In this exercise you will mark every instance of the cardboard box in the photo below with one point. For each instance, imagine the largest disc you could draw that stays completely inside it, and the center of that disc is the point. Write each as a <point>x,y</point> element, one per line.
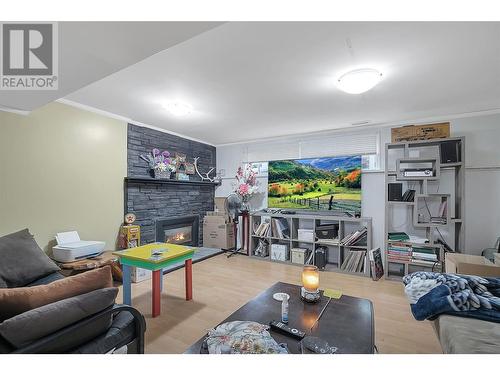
<point>298,255</point>
<point>279,252</point>
<point>420,132</point>
<point>218,232</point>
<point>471,265</point>
<point>139,274</point>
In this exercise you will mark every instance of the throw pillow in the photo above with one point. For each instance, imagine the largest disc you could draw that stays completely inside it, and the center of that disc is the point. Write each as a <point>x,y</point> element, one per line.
<point>15,301</point>
<point>22,260</point>
<point>42,321</point>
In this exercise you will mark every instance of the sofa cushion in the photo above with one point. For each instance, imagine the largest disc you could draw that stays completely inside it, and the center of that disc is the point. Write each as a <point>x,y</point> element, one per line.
<point>32,325</point>
<point>15,301</point>
<point>22,260</point>
<point>121,332</point>
<point>459,335</point>
<point>47,279</point>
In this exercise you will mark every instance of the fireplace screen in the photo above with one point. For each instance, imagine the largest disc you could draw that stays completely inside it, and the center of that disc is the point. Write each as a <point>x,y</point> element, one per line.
<point>180,235</point>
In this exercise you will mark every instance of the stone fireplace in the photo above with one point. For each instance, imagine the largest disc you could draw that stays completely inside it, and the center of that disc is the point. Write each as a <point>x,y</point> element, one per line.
<point>166,206</point>
<point>182,230</point>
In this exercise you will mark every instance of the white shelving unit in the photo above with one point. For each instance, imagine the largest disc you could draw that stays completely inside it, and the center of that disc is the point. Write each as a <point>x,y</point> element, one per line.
<point>336,252</point>
<point>418,153</point>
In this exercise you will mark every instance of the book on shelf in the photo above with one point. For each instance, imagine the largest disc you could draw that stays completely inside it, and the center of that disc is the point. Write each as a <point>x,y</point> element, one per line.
<point>425,256</point>
<point>376,263</point>
<point>433,259</point>
<point>422,249</point>
<point>354,261</point>
<point>424,262</point>
<point>398,236</point>
<point>356,238</point>
<point>325,241</point>
<point>262,229</point>
<point>408,196</point>
<point>280,228</point>
<point>399,251</point>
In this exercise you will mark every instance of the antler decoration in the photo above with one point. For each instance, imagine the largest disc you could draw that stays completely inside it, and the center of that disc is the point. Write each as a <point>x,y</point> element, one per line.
<point>205,176</point>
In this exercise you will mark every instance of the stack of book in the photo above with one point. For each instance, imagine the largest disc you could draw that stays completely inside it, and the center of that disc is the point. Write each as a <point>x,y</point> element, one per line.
<point>398,236</point>
<point>424,255</point>
<point>354,261</point>
<point>357,238</point>
<point>280,228</point>
<point>263,229</point>
<point>399,251</point>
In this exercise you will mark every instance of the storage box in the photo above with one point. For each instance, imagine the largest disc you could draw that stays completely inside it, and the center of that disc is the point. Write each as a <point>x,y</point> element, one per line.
<point>420,132</point>
<point>279,252</point>
<point>327,231</point>
<point>139,274</point>
<point>470,265</point>
<point>298,255</point>
<point>218,232</point>
<point>306,235</point>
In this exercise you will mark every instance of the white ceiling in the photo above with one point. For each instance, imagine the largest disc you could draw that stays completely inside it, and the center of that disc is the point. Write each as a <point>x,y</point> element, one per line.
<point>89,51</point>
<point>255,80</point>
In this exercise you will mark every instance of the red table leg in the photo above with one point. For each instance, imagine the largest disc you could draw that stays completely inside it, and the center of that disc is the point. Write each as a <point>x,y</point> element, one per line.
<point>189,279</point>
<point>156,293</point>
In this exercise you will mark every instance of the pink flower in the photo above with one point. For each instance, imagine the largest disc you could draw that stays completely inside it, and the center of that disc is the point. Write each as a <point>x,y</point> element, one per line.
<point>243,189</point>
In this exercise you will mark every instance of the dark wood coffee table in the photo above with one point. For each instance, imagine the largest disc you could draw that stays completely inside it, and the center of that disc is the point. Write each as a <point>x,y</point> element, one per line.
<point>347,323</point>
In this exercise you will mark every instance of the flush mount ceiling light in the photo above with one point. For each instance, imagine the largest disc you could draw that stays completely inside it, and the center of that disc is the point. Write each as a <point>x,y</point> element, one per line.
<point>359,81</point>
<point>178,109</point>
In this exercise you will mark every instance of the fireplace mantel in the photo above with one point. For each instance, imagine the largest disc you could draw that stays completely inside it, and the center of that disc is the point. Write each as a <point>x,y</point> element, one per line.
<point>149,180</point>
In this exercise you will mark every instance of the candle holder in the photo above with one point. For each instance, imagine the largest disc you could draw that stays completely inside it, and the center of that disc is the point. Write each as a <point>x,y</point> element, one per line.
<point>310,280</point>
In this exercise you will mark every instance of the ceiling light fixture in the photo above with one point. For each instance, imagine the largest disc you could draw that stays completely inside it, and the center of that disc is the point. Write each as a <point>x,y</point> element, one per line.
<point>178,109</point>
<point>359,81</point>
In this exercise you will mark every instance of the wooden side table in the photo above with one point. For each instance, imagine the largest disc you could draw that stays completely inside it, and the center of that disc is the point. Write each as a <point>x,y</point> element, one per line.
<point>105,259</point>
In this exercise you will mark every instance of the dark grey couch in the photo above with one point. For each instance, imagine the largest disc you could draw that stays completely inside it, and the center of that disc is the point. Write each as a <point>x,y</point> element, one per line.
<point>115,327</point>
<point>87,323</point>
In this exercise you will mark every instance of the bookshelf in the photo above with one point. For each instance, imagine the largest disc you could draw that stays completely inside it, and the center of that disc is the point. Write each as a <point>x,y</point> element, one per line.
<point>337,252</point>
<point>436,211</point>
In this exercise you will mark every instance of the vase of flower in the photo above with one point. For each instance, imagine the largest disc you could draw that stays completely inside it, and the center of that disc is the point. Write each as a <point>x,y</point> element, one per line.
<point>246,186</point>
<point>245,203</point>
<point>160,163</point>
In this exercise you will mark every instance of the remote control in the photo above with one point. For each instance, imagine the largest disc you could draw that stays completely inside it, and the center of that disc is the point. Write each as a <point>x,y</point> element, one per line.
<point>286,330</point>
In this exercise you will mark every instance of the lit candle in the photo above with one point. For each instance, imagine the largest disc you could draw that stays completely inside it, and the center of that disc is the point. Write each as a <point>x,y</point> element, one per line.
<point>310,278</point>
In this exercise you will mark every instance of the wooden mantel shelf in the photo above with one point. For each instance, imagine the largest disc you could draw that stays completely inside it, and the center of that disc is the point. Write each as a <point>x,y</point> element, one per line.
<point>149,180</point>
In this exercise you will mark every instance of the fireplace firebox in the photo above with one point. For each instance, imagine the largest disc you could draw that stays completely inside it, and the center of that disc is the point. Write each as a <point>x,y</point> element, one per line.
<point>182,230</point>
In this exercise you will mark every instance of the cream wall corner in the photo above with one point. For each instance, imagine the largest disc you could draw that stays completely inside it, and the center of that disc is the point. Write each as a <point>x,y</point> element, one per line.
<point>61,169</point>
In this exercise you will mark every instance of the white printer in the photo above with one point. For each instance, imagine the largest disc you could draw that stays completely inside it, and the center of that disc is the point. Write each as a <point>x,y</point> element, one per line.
<point>70,248</point>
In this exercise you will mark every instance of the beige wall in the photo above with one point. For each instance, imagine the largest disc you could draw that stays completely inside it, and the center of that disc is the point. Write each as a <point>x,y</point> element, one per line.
<point>61,169</point>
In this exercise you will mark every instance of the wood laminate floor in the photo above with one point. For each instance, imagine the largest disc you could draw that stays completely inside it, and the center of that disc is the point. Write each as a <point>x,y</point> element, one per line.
<point>222,285</point>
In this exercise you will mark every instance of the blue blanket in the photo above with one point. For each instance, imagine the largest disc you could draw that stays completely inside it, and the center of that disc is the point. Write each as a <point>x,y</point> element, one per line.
<point>431,294</point>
